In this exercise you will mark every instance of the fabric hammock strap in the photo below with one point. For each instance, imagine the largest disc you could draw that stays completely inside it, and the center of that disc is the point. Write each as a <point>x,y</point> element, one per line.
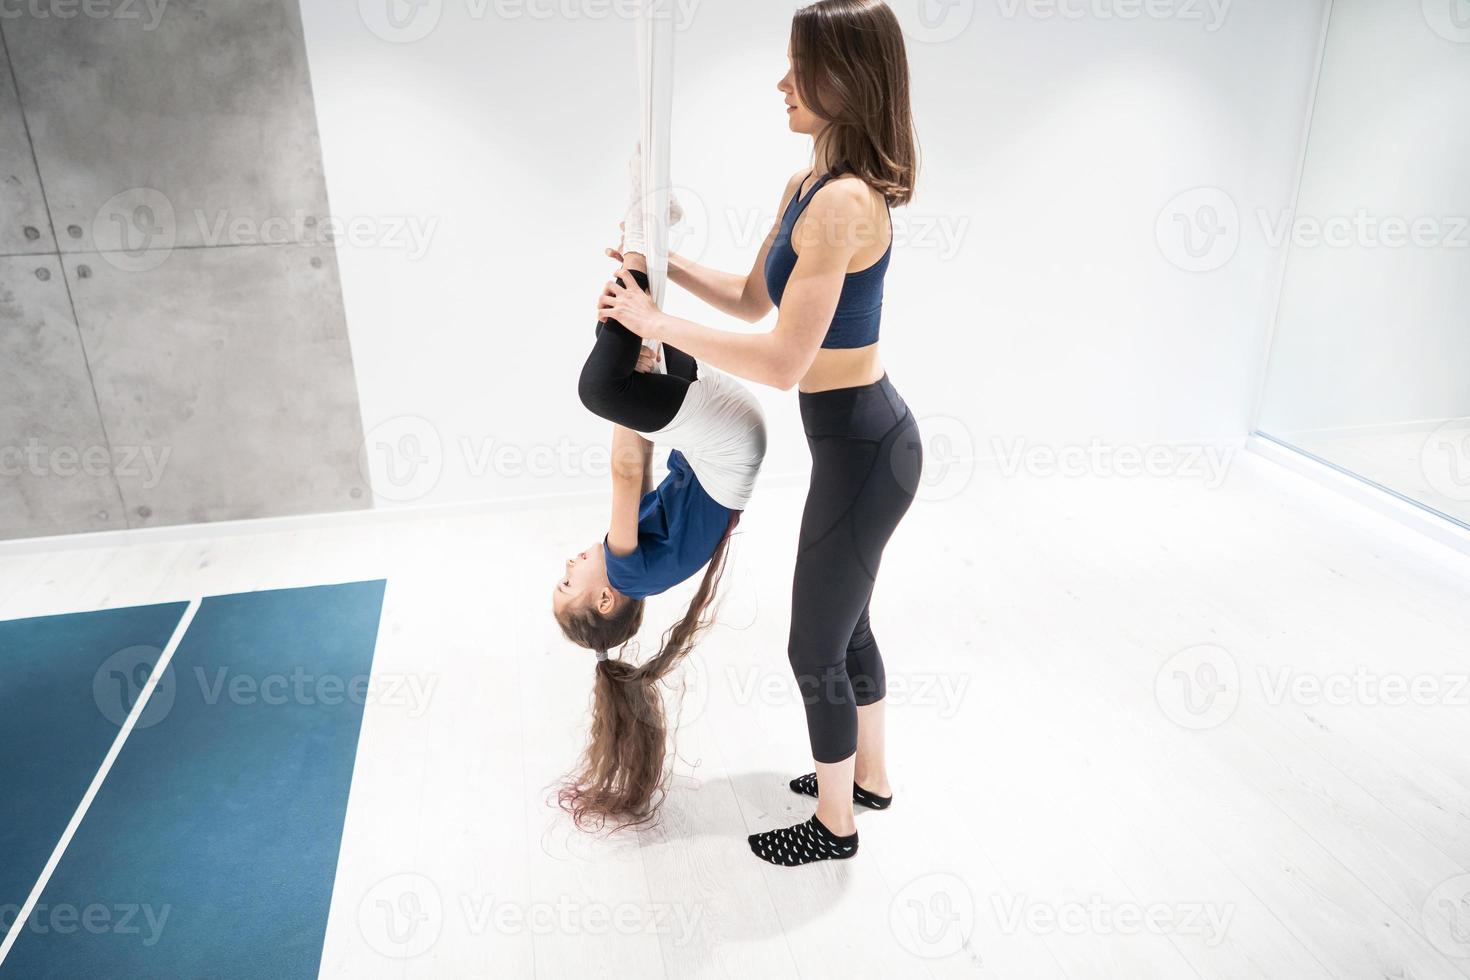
<point>656,99</point>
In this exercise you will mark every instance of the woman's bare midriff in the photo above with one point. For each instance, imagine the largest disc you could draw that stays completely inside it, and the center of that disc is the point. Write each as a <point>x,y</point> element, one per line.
<point>854,367</point>
<point>843,369</point>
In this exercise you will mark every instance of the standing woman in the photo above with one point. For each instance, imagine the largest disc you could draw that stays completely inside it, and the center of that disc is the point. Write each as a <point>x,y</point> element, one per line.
<point>823,265</point>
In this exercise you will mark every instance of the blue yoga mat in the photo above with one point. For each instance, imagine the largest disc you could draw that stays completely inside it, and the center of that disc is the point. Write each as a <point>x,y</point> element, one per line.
<point>212,846</point>
<point>66,685</point>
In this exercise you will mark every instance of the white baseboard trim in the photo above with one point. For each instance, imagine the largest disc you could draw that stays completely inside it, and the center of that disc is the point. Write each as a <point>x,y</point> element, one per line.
<point>1390,503</point>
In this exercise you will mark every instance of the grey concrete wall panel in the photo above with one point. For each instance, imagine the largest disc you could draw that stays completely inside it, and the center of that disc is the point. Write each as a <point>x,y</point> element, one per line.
<point>25,228</point>
<point>235,361</point>
<point>186,124</point>
<point>55,468</point>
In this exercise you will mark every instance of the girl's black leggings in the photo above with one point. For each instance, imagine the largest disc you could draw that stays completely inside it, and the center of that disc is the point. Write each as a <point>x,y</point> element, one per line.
<point>612,389</point>
<point>866,461</point>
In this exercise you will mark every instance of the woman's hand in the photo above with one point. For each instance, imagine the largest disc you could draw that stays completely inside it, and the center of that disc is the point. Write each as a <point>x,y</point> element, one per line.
<point>631,307</point>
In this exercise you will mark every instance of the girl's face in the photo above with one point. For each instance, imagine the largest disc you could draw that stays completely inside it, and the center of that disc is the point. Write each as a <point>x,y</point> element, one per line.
<point>799,118</point>
<point>584,579</point>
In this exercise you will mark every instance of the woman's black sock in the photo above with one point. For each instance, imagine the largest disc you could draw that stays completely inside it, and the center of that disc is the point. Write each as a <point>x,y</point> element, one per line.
<point>802,843</point>
<point>807,786</point>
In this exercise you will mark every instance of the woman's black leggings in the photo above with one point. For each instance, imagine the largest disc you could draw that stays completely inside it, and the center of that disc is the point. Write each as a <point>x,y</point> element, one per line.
<point>866,461</point>
<point>611,387</point>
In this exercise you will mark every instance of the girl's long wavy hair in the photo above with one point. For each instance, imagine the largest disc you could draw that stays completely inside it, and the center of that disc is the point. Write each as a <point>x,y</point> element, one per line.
<point>621,775</point>
<point>852,70</point>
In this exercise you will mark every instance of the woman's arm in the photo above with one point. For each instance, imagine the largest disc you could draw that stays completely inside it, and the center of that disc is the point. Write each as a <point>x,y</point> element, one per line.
<point>826,244</point>
<point>632,477</point>
<point>741,295</point>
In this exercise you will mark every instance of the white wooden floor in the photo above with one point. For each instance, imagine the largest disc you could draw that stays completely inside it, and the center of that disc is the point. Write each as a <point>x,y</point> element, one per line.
<point>1107,754</point>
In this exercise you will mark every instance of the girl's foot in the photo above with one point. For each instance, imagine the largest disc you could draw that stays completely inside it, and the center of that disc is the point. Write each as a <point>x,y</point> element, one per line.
<point>802,843</point>
<point>635,238</point>
<point>807,786</point>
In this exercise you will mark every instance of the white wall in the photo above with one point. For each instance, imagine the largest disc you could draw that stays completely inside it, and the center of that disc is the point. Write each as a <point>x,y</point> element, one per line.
<point>1374,328</point>
<point>1031,294</point>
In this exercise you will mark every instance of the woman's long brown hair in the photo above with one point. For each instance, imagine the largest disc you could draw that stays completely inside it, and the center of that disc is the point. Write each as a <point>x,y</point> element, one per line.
<point>852,70</point>
<point>621,774</point>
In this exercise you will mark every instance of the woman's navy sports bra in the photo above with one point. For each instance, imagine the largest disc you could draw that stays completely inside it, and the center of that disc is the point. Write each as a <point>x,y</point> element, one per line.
<point>859,308</point>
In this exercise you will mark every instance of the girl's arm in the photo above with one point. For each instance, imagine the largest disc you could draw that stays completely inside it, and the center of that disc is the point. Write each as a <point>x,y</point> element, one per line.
<point>780,358</point>
<point>632,477</point>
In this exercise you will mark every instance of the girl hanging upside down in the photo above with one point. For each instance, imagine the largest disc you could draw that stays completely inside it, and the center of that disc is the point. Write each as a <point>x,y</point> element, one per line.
<point>823,265</point>
<point>656,539</point>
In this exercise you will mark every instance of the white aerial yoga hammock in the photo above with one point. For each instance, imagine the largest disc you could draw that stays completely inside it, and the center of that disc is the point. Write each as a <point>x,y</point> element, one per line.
<point>655,28</point>
<point>719,427</point>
